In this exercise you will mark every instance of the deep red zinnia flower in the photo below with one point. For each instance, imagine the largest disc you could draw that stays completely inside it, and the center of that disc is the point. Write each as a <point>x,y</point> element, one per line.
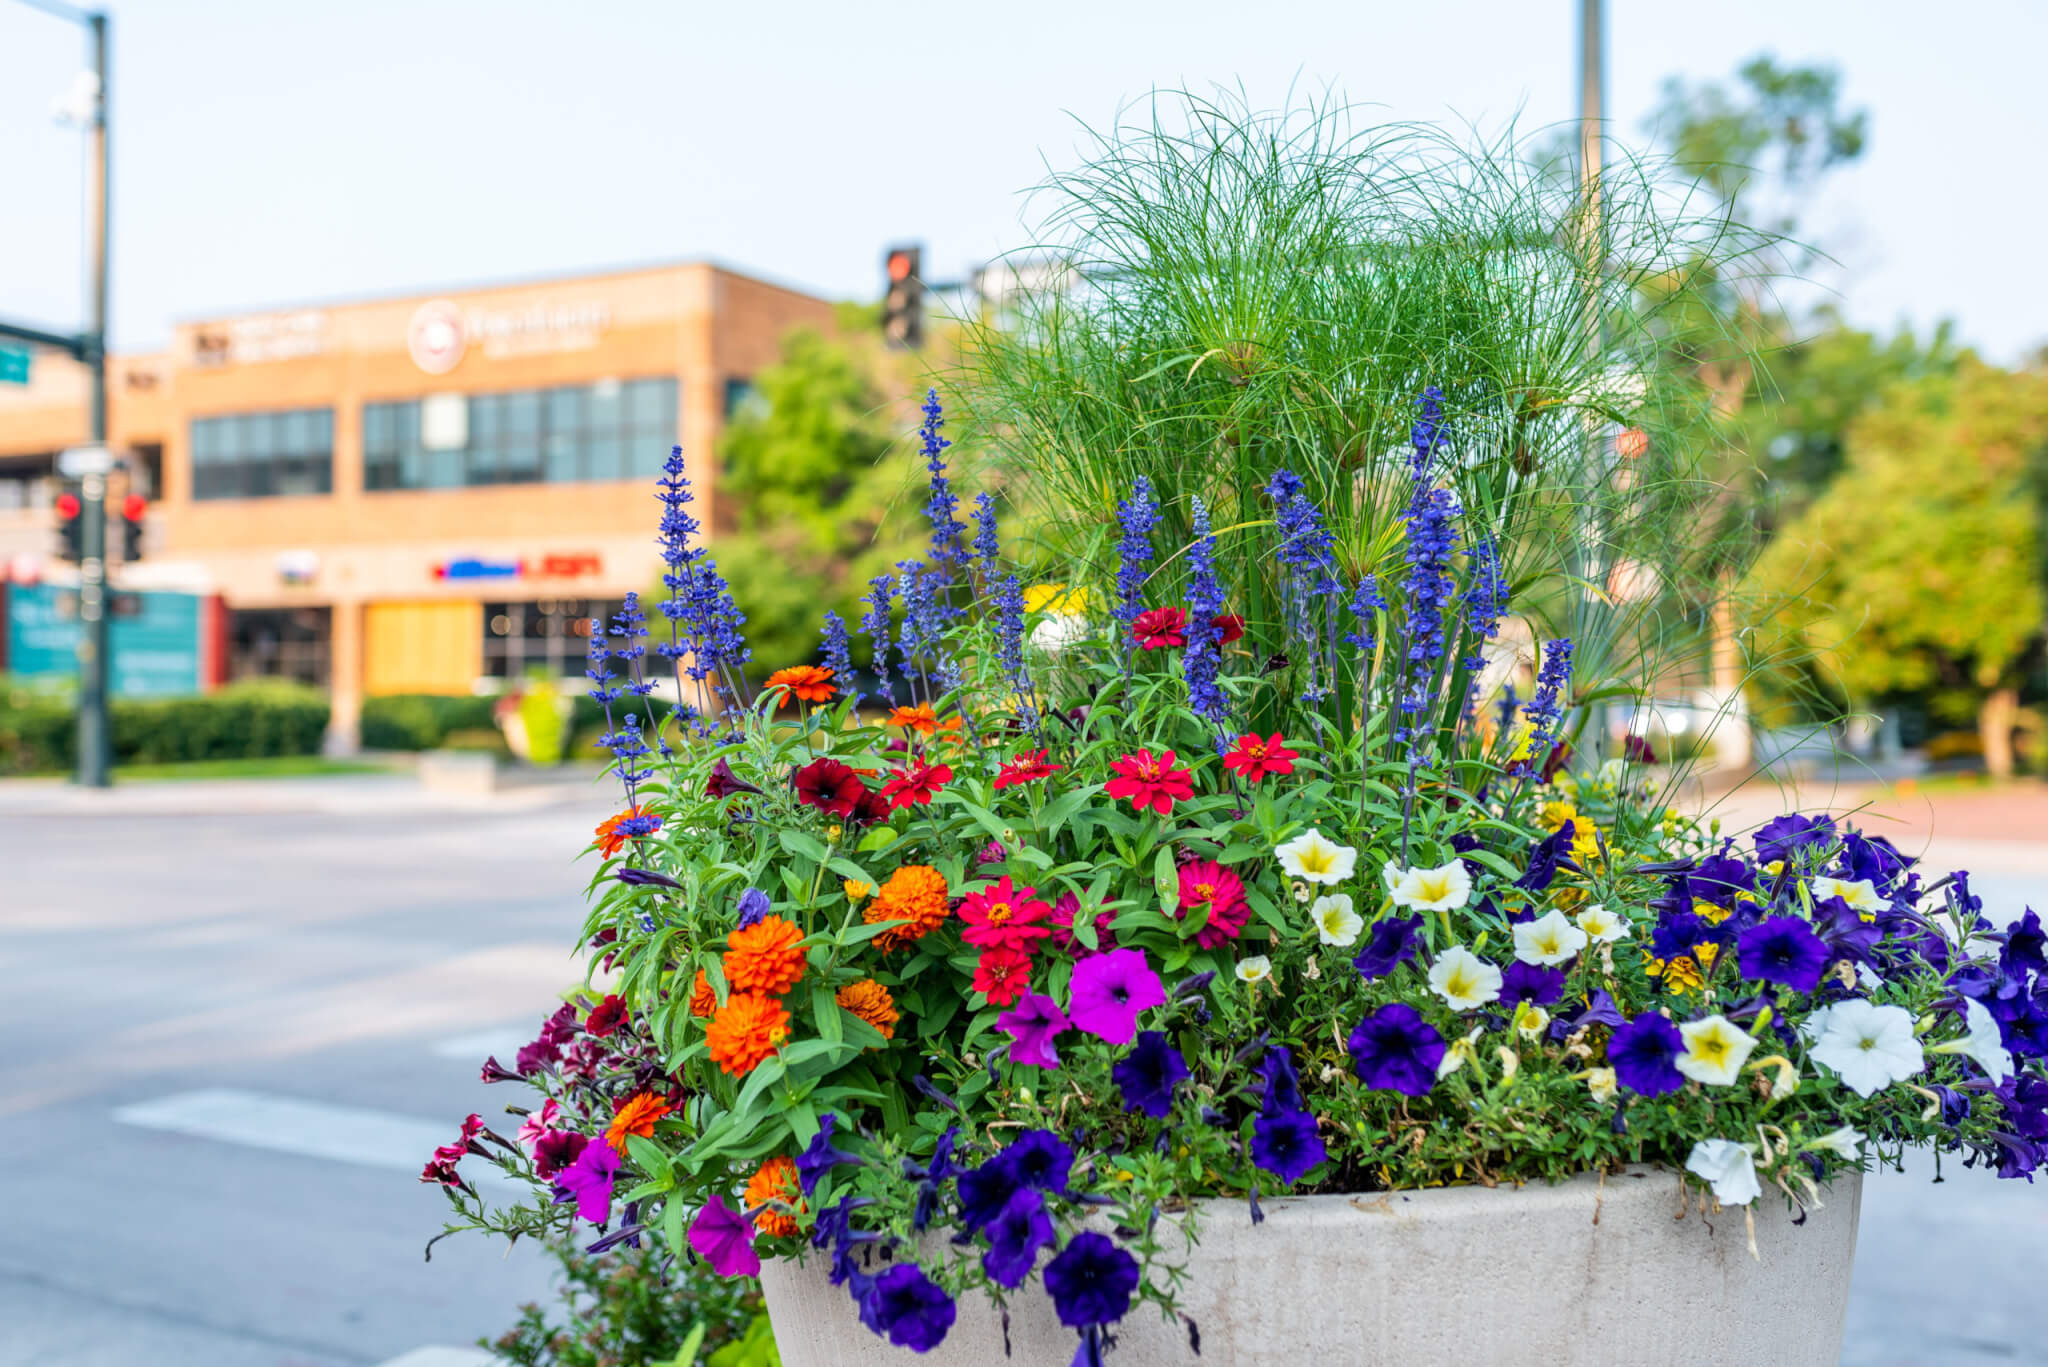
<point>1160,628</point>
<point>916,785</point>
<point>1003,917</point>
<point>1253,758</point>
<point>1002,975</point>
<point>1207,883</point>
<point>829,786</point>
<point>1028,767</point>
<point>1149,781</point>
<point>1229,627</point>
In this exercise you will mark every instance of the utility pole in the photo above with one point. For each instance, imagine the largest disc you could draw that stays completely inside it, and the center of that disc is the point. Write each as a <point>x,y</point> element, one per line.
<point>95,750</point>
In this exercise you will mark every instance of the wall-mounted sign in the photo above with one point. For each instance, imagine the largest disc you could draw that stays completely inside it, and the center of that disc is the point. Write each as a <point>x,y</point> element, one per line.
<point>154,651</point>
<point>576,565</point>
<point>298,568</point>
<point>441,331</point>
<point>263,337</point>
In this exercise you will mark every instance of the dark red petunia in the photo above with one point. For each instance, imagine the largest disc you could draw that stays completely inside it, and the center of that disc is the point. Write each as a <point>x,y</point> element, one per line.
<point>606,1017</point>
<point>1253,757</point>
<point>1160,628</point>
<point>872,807</point>
<point>1636,750</point>
<point>1149,781</point>
<point>1028,767</point>
<point>916,785</point>
<point>829,786</point>
<point>1229,627</point>
<point>724,782</point>
<point>555,1150</point>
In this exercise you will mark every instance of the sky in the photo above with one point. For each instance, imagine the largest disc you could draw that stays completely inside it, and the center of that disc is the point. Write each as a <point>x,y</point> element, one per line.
<point>276,154</point>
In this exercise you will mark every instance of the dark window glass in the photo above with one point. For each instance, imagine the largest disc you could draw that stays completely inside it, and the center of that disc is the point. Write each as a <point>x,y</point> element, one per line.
<point>261,455</point>
<point>609,430</point>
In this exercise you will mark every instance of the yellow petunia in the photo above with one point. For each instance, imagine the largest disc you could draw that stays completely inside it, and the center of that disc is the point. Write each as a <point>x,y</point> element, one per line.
<point>1055,598</point>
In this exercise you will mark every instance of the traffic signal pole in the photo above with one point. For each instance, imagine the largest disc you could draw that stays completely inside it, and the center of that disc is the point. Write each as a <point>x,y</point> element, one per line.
<point>95,747</point>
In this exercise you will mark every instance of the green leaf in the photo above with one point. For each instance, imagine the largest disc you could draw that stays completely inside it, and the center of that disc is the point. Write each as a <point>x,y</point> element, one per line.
<point>648,1156</point>
<point>983,817</point>
<point>1166,880</point>
<point>825,1011</point>
<point>803,846</point>
<point>881,837</point>
<point>846,868</point>
<point>764,1076</point>
<point>1061,808</point>
<point>673,1214</point>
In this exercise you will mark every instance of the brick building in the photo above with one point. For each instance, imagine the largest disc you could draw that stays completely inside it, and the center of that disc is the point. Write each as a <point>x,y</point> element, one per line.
<point>410,494</point>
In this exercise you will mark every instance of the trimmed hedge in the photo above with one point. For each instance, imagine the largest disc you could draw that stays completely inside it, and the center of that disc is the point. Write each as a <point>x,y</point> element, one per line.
<point>424,721</point>
<point>254,720</point>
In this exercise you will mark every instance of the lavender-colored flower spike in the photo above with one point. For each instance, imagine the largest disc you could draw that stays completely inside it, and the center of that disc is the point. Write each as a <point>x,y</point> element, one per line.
<point>986,547</point>
<point>837,657</point>
<point>1203,659</point>
<point>1137,515</point>
<point>1311,576</point>
<point>1547,707</point>
<point>874,623</point>
<point>1485,601</point>
<point>1427,434</point>
<point>1010,646</point>
<point>948,551</point>
<point>1365,603</point>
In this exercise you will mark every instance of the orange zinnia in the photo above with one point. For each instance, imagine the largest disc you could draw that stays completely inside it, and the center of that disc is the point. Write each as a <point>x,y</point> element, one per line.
<point>747,1029</point>
<point>637,1116</point>
<point>807,682</point>
<point>703,1000</point>
<point>871,1001</point>
<point>915,895</point>
<point>763,957</point>
<point>775,1180</point>
<point>922,719</point>
<point>609,839</point>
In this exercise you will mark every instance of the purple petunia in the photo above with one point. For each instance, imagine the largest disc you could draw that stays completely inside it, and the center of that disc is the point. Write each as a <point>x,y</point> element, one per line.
<point>1526,982</point>
<point>1110,990</point>
<point>1645,1053</point>
<point>1782,949</point>
<point>1394,1049</point>
<point>1091,1281</point>
<point>1015,1236</point>
<point>1033,1023</point>
<point>1148,1074</point>
<point>1391,941</point>
<point>1041,1159</point>
<point>1783,837</point>
<point>985,1190</point>
<point>909,1308</point>
<point>588,1181</point>
<point>821,1156</point>
<point>724,1238</point>
<point>1286,1145</point>
<point>1283,1083</point>
<point>754,905</point>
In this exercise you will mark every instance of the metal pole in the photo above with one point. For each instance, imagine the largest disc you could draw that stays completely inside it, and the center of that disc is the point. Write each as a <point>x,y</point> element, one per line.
<point>1592,83</point>
<point>95,749</point>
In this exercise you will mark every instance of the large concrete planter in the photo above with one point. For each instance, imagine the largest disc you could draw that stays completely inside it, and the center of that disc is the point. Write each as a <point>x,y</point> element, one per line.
<point>1585,1273</point>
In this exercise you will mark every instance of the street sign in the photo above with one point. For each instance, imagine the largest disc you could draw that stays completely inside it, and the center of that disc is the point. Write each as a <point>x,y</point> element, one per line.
<point>81,461</point>
<point>13,365</point>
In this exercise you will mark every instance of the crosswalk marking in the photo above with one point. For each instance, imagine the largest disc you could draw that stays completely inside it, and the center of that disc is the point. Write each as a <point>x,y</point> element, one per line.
<point>344,1134</point>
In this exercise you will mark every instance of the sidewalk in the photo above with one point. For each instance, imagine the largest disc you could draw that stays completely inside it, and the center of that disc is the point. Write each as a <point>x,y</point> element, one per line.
<point>2002,829</point>
<point>335,795</point>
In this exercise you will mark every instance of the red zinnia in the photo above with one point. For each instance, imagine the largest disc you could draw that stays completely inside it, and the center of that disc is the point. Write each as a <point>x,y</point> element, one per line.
<point>1229,627</point>
<point>1002,975</point>
<point>916,785</point>
<point>1028,767</point>
<point>1160,628</point>
<point>1152,782</point>
<point>829,786</point>
<point>1003,917</point>
<point>1254,758</point>
<point>1207,883</point>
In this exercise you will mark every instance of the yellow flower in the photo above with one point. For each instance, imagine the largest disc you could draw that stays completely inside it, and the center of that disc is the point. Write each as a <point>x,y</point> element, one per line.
<point>1554,814</point>
<point>1530,1020</point>
<point>1055,598</point>
<point>1587,844</point>
<point>856,891</point>
<point>1708,912</point>
<point>1687,973</point>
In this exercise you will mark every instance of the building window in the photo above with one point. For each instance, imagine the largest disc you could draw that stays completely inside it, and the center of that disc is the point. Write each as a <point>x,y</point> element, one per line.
<point>610,430</point>
<point>280,643</point>
<point>263,455</point>
<point>549,636</point>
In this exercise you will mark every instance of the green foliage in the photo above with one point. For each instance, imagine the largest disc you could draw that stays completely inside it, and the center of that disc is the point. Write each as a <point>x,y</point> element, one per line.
<point>253,720</point>
<point>813,469</point>
<point>547,728</point>
<point>420,721</point>
<point>1921,565</point>
<point>619,1311</point>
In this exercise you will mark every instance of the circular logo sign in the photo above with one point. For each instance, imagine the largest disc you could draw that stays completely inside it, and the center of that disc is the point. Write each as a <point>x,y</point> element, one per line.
<point>435,337</point>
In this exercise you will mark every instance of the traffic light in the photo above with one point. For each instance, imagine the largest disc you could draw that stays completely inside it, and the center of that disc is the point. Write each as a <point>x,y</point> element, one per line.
<point>903,297</point>
<point>133,509</point>
<point>70,528</point>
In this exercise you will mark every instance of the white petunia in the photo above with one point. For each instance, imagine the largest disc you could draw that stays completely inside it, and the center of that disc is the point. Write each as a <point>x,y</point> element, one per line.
<point>1461,1052</point>
<point>1336,923</point>
<point>1530,1020</point>
<point>1602,925</point>
<point>1464,979</point>
<point>1860,894</point>
<point>1548,940</point>
<point>1444,888</point>
<point>1600,1084</point>
<point>1984,1044</point>
<point>1058,631</point>
<point>1846,1142</point>
<point>1869,1047</point>
<point>1715,1050</point>
<point>1257,969</point>
<point>1312,857</point>
<point>1726,1167</point>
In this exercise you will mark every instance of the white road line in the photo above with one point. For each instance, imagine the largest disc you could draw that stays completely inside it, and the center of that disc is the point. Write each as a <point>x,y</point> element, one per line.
<point>442,1357</point>
<point>345,1134</point>
<point>503,1043</point>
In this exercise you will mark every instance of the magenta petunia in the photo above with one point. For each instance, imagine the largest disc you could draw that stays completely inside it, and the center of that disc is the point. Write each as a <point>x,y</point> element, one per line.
<point>1034,1022</point>
<point>588,1181</point>
<point>1109,992</point>
<point>724,1237</point>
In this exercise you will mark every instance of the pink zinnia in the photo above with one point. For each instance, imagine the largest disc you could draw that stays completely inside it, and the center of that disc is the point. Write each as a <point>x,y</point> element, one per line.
<point>1207,883</point>
<point>1152,782</point>
<point>1109,990</point>
<point>1063,913</point>
<point>1003,917</point>
<point>1160,628</point>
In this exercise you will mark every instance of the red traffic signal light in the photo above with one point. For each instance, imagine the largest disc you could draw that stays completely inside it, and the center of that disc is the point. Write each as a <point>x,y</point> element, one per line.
<point>134,507</point>
<point>70,528</point>
<point>901,262</point>
<point>903,299</point>
<point>68,506</point>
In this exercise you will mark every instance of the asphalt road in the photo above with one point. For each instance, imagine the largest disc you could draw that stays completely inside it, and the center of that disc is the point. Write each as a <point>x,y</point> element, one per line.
<point>236,1015</point>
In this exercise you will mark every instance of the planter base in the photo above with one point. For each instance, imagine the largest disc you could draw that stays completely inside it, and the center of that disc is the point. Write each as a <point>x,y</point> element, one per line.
<point>1460,1275</point>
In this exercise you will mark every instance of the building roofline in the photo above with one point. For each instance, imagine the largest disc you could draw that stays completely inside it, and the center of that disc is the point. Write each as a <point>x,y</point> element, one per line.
<point>519,282</point>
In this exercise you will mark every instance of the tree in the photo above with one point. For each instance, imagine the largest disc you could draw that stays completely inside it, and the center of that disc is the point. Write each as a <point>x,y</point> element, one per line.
<point>1922,561</point>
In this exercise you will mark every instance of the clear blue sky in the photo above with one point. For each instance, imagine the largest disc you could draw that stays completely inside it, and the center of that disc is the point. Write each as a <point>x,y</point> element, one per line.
<point>276,153</point>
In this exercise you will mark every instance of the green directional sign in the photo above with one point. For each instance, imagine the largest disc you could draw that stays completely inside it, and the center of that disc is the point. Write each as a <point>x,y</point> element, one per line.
<point>13,365</point>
